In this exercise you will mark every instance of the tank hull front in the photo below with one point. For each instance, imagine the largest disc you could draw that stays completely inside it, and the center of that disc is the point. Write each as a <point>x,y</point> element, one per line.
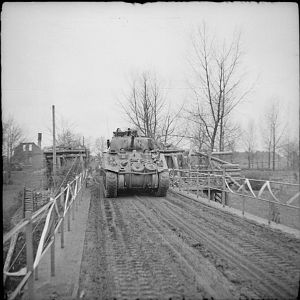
<point>153,182</point>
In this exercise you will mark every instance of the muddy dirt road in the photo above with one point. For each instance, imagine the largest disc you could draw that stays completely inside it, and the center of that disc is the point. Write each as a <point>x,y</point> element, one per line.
<point>139,246</point>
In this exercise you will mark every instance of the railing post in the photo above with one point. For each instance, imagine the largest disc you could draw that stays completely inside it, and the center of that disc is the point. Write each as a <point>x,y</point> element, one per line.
<point>197,183</point>
<point>29,255</point>
<point>82,185</point>
<point>36,273</point>
<point>269,214</point>
<point>76,190</point>
<point>179,183</point>
<point>208,183</point>
<point>73,209</point>
<point>188,182</point>
<point>52,257</point>
<point>173,178</point>
<point>223,188</point>
<point>80,188</point>
<point>243,192</point>
<point>62,227</point>
<point>69,219</point>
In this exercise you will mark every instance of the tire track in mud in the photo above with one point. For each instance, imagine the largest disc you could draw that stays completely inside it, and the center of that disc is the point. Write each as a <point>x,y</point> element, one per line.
<point>151,280</point>
<point>256,241</point>
<point>207,280</point>
<point>125,257</point>
<point>174,216</point>
<point>266,236</point>
<point>155,256</point>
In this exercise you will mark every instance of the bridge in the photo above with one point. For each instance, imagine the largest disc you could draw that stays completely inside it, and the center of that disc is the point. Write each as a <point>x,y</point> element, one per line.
<point>187,244</point>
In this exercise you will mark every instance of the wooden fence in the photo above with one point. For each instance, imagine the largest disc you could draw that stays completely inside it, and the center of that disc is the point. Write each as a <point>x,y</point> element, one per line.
<point>54,213</point>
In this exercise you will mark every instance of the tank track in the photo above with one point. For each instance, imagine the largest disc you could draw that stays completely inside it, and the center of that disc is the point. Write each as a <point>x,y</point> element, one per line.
<point>163,184</point>
<point>111,185</point>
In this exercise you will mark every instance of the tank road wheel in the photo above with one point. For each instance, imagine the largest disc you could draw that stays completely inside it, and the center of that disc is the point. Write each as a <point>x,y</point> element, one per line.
<point>111,185</point>
<point>163,184</point>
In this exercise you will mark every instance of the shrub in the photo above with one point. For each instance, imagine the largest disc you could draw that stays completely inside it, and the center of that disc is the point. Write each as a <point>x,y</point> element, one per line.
<point>11,211</point>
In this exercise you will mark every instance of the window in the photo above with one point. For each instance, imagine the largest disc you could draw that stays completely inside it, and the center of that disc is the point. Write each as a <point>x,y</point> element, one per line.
<point>24,147</point>
<point>30,147</point>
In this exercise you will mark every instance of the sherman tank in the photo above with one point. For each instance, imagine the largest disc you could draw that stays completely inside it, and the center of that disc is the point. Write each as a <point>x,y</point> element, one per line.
<point>134,162</point>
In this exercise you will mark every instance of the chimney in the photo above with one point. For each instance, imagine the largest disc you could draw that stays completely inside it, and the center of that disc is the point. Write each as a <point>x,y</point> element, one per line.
<point>40,140</point>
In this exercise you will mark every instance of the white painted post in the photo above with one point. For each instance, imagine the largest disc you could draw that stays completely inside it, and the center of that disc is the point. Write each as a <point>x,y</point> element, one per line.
<point>29,255</point>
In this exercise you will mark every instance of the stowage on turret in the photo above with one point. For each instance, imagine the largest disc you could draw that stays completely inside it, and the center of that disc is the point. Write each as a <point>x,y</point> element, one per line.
<point>134,162</point>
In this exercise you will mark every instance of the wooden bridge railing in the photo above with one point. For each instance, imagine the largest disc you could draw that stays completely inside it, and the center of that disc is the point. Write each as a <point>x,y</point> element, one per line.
<point>211,181</point>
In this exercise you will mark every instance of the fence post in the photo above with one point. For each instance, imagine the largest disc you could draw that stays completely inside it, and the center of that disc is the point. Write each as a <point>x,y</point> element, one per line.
<point>36,273</point>
<point>173,178</point>
<point>188,182</point>
<point>208,183</point>
<point>52,257</point>
<point>69,219</point>
<point>269,214</point>
<point>243,192</point>
<point>197,182</point>
<point>73,209</point>
<point>82,187</point>
<point>29,255</point>
<point>179,185</point>
<point>223,188</point>
<point>62,227</point>
<point>76,190</point>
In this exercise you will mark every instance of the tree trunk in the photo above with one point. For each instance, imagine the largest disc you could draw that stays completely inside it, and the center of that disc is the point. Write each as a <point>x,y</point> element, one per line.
<point>249,160</point>
<point>269,155</point>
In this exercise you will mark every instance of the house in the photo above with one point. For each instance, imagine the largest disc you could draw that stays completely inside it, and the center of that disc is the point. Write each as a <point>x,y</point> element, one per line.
<point>29,154</point>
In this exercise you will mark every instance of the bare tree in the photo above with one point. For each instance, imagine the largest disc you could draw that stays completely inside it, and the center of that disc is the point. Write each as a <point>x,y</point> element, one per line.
<point>12,136</point>
<point>217,86</point>
<point>145,104</point>
<point>275,130</point>
<point>99,147</point>
<point>290,150</point>
<point>171,129</point>
<point>199,138</point>
<point>66,135</point>
<point>249,138</point>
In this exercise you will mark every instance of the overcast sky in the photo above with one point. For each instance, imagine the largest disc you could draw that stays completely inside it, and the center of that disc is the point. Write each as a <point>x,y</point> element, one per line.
<point>80,56</point>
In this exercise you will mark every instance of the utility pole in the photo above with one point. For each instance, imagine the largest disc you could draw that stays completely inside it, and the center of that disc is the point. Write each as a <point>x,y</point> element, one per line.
<point>54,147</point>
